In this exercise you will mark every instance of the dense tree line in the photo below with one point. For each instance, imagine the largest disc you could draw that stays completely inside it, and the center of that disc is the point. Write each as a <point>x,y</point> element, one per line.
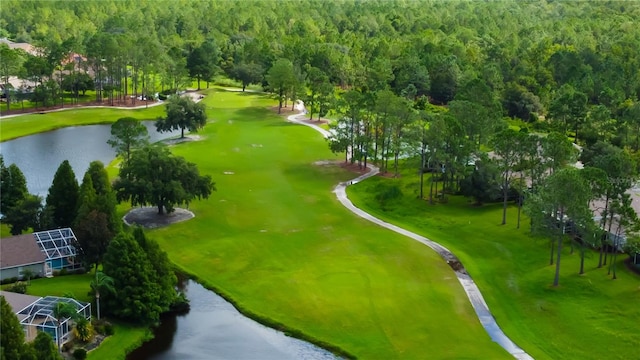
<point>558,59</point>
<point>436,81</point>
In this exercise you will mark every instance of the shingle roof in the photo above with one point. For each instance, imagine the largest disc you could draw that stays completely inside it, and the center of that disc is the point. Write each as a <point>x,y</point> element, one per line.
<point>18,301</point>
<point>19,250</point>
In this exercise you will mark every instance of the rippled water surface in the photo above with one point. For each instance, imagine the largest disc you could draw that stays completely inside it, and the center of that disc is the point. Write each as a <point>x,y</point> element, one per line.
<point>214,329</point>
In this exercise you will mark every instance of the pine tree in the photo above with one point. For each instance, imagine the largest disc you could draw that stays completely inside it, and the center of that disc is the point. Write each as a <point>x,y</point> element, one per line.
<point>13,186</point>
<point>12,346</point>
<point>164,275</point>
<point>138,296</point>
<point>62,199</point>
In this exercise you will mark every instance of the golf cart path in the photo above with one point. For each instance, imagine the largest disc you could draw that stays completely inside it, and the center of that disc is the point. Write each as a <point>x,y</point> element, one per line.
<point>473,292</point>
<point>193,94</point>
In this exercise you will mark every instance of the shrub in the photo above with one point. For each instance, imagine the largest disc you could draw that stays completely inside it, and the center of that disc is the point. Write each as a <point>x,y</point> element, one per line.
<point>83,330</point>
<point>108,329</point>
<point>80,354</point>
<point>10,280</point>
<point>18,287</point>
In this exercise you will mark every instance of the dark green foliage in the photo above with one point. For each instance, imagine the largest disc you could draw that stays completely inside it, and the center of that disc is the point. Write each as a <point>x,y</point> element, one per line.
<point>127,134</point>
<point>140,296</point>
<point>97,221</point>
<point>44,347</point>
<point>165,277</point>
<point>13,186</point>
<point>24,214</point>
<point>80,354</point>
<point>155,177</point>
<point>12,344</point>
<point>247,74</point>
<point>280,78</point>
<point>62,200</point>
<point>77,82</point>
<point>483,184</point>
<point>182,113</point>
<point>445,75</point>
<point>521,103</point>
<point>202,62</point>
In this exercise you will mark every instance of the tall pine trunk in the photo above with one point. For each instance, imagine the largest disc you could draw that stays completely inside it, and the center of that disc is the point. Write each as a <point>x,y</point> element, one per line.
<point>556,279</point>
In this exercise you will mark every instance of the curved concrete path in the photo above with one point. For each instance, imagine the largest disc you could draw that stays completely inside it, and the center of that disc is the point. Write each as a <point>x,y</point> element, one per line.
<point>473,293</point>
<point>195,96</point>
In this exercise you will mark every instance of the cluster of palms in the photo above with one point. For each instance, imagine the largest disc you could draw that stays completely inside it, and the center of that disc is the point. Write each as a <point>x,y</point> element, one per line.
<point>64,311</point>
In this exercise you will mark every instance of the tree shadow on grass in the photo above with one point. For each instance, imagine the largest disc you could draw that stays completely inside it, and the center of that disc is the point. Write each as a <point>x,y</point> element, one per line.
<point>252,114</point>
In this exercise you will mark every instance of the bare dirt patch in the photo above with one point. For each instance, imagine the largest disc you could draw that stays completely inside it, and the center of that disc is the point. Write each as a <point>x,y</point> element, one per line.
<point>148,217</point>
<point>286,111</point>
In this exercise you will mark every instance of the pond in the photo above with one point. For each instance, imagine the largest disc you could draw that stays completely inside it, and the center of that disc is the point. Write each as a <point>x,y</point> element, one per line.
<point>214,330</point>
<point>39,155</point>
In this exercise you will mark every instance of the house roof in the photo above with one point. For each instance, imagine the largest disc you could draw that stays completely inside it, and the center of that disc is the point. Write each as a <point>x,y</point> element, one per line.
<point>19,250</point>
<point>18,302</point>
<point>24,46</point>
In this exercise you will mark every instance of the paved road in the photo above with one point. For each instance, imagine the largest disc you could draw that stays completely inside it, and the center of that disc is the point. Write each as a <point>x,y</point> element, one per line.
<point>473,292</point>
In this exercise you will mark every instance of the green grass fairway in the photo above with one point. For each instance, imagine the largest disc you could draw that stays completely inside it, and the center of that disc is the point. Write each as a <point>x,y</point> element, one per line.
<point>586,317</point>
<point>24,125</point>
<point>275,240</point>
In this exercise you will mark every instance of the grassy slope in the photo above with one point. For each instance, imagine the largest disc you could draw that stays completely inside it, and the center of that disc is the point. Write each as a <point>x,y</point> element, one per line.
<point>274,239</point>
<point>587,317</point>
<point>24,125</point>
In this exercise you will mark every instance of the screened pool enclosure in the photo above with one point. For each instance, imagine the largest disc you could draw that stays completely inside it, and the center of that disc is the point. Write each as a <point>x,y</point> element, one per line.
<point>58,247</point>
<point>41,316</point>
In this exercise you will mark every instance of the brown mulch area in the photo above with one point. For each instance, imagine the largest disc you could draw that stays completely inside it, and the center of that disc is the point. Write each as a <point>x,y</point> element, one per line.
<point>286,111</point>
<point>355,168</point>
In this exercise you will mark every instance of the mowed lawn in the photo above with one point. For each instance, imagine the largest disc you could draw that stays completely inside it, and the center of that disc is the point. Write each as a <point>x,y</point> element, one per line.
<point>275,240</point>
<point>586,317</point>
<point>23,125</point>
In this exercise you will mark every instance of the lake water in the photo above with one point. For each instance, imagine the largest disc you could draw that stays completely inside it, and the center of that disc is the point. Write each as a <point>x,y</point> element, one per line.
<point>214,330</point>
<point>40,155</point>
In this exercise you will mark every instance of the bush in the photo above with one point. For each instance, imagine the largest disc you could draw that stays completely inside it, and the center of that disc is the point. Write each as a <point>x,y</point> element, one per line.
<point>83,330</point>
<point>80,354</point>
<point>10,280</point>
<point>102,326</point>
<point>18,287</point>
<point>108,329</point>
<point>162,97</point>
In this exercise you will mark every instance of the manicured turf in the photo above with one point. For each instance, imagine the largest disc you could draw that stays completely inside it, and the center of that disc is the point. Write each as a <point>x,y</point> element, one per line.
<point>78,285</point>
<point>24,125</point>
<point>125,339</point>
<point>275,240</point>
<point>587,317</point>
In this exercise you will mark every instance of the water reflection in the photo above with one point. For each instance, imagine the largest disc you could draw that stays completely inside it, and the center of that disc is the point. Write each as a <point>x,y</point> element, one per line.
<point>39,155</point>
<point>214,329</point>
